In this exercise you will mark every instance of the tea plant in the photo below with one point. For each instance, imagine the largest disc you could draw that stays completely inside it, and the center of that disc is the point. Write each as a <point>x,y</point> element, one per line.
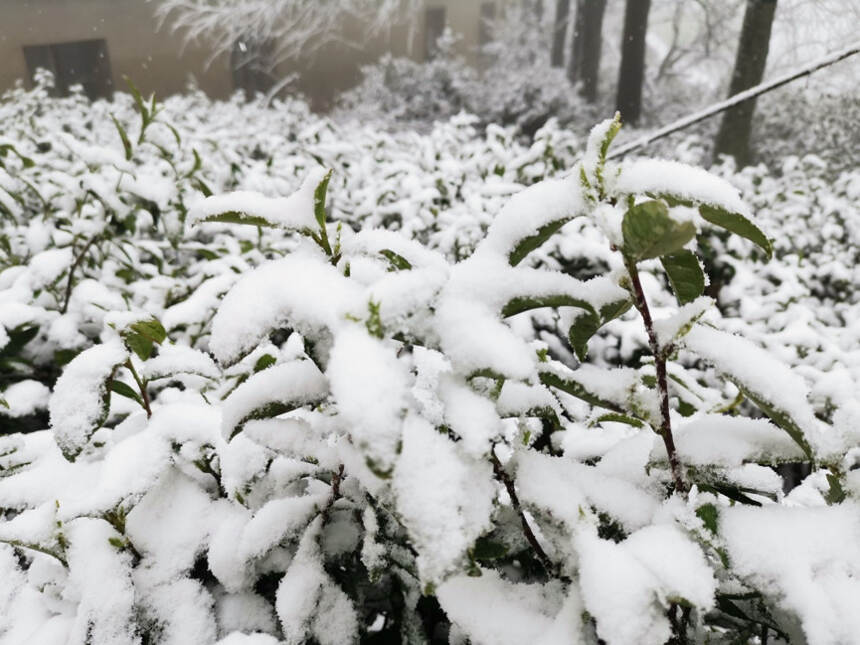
<point>389,448</point>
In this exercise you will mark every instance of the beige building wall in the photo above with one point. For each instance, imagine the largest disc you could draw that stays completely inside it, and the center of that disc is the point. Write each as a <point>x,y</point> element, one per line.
<point>157,60</point>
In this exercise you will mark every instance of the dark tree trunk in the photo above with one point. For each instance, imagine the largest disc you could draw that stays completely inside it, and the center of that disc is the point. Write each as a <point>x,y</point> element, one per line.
<point>559,34</point>
<point>587,43</point>
<point>733,137</point>
<point>632,72</point>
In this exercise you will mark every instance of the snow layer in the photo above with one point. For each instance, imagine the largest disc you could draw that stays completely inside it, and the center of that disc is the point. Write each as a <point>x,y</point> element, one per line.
<point>295,212</point>
<point>807,559</point>
<point>428,483</point>
<point>77,406</point>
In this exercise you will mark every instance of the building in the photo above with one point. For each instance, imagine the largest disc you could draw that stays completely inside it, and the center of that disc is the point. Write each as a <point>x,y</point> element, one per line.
<point>96,42</point>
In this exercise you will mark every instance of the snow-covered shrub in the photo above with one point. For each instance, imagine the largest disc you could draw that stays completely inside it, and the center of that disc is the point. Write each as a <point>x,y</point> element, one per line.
<point>515,86</point>
<point>385,450</point>
<point>826,125</point>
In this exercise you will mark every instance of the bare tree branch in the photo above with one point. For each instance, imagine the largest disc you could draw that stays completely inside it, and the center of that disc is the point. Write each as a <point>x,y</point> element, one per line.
<point>722,106</point>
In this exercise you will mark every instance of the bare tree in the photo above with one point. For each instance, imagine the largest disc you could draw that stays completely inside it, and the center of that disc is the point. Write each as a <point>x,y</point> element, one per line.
<point>584,66</point>
<point>260,35</point>
<point>559,34</point>
<point>733,137</point>
<point>632,70</point>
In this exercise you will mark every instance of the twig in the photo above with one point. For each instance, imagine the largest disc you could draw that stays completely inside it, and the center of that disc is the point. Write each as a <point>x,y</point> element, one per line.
<point>746,95</point>
<point>503,477</point>
<point>336,480</point>
<point>144,395</point>
<point>78,260</point>
<point>659,353</point>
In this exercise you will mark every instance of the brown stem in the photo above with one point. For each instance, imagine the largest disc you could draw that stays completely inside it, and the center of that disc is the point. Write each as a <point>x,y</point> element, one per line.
<point>77,263</point>
<point>503,477</point>
<point>336,480</point>
<point>144,395</point>
<point>659,353</point>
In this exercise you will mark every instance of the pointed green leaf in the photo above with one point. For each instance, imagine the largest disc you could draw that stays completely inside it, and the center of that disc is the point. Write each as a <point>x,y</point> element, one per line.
<point>737,224</point>
<point>577,389</point>
<point>619,418</point>
<point>125,390</point>
<point>685,274</point>
<point>581,331</point>
<point>527,303</point>
<point>140,337</point>
<point>138,99</point>
<point>123,135</point>
<point>530,243</point>
<point>779,417</point>
<point>709,514</point>
<point>320,198</point>
<point>649,232</point>
<point>234,217</point>
<point>587,324</point>
<point>398,262</point>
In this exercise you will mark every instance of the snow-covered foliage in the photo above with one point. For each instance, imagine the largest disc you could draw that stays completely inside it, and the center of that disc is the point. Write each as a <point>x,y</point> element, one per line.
<point>515,84</point>
<point>327,385</point>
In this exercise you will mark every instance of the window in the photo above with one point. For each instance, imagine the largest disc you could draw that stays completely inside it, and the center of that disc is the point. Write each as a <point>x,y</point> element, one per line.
<point>84,63</point>
<point>434,27</point>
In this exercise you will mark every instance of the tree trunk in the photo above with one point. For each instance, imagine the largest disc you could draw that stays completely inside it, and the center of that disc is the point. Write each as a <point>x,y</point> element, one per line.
<point>733,137</point>
<point>632,72</point>
<point>587,44</point>
<point>559,34</point>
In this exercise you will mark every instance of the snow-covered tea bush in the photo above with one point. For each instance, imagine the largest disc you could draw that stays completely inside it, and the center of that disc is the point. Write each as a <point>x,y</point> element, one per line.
<point>416,401</point>
<point>515,86</point>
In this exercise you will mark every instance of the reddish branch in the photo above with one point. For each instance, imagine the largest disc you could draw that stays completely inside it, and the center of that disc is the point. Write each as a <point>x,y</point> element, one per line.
<point>506,480</point>
<point>660,354</point>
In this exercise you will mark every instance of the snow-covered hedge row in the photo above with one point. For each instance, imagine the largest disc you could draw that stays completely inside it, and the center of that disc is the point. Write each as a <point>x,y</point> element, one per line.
<point>388,408</point>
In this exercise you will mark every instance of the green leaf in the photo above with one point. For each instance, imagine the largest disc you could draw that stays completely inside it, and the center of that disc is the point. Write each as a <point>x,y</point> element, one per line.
<point>138,99</point>
<point>779,417</point>
<point>264,362</point>
<point>577,389</point>
<point>374,320</point>
<point>267,411</point>
<point>709,514</point>
<point>18,338</point>
<point>836,492</point>
<point>398,262</point>
<point>619,418</point>
<point>140,337</point>
<point>487,549</point>
<point>649,232</point>
<point>737,224</point>
<point>527,303</point>
<point>236,217</point>
<point>530,243</point>
<point>611,133</point>
<point>731,491</point>
<point>320,198</point>
<point>581,331</point>
<point>3,403</point>
<point>125,390</point>
<point>123,135</point>
<point>685,274</point>
<point>25,161</point>
<point>589,323</point>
